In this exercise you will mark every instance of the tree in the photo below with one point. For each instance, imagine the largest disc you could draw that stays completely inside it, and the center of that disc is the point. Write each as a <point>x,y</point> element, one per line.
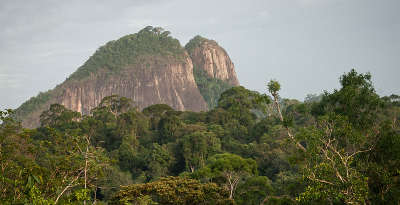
<point>197,147</point>
<point>167,127</point>
<point>173,190</point>
<point>20,176</point>
<point>356,99</point>
<point>273,88</point>
<point>155,112</point>
<point>254,190</point>
<point>72,166</point>
<point>239,99</point>
<point>59,116</point>
<point>159,161</point>
<point>114,104</point>
<point>383,162</point>
<point>346,129</point>
<point>331,172</point>
<point>228,169</point>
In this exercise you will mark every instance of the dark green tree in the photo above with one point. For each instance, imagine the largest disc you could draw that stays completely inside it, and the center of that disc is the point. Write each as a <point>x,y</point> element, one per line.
<point>228,170</point>
<point>197,147</point>
<point>59,116</point>
<point>173,190</point>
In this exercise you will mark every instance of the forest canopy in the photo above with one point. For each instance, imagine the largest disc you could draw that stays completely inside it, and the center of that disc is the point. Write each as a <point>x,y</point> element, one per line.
<point>342,147</point>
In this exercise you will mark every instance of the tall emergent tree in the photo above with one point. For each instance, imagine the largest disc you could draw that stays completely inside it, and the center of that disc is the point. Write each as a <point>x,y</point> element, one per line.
<point>342,145</point>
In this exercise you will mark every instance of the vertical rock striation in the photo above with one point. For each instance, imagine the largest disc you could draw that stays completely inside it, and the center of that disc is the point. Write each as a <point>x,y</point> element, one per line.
<point>208,56</point>
<point>154,81</point>
<point>149,67</point>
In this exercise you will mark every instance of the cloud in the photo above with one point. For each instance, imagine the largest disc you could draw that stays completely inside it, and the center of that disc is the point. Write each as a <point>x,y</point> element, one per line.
<point>306,41</point>
<point>312,3</point>
<point>11,81</point>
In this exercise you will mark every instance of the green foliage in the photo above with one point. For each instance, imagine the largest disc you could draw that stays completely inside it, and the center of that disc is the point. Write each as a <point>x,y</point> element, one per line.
<point>254,190</point>
<point>149,44</point>
<point>210,88</point>
<point>221,163</point>
<point>237,111</point>
<point>274,87</point>
<point>173,190</point>
<point>197,147</point>
<point>310,98</point>
<point>227,169</point>
<point>113,104</point>
<point>350,139</point>
<point>382,165</point>
<point>330,171</point>
<point>131,49</point>
<point>168,127</point>
<point>356,99</point>
<point>239,97</point>
<point>19,174</point>
<point>341,145</point>
<point>155,112</point>
<point>195,43</point>
<point>34,103</point>
<point>58,115</point>
<point>159,161</point>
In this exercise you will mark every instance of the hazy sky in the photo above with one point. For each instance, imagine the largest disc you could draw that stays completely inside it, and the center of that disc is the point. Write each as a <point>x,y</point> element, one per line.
<point>304,44</point>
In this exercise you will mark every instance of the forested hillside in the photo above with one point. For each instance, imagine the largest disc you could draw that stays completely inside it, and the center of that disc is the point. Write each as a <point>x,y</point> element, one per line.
<point>252,148</point>
<point>115,56</point>
<point>149,67</point>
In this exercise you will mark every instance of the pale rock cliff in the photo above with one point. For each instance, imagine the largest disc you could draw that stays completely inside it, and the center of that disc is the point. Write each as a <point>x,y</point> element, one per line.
<point>153,81</point>
<point>156,80</point>
<point>149,67</point>
<point>214,60</point>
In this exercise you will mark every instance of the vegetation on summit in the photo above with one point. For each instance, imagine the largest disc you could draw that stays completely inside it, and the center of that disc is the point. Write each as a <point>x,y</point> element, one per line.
<point>128,50</point>
<point>148,45</point>
<point>34,103</point>
<point>196,42</point>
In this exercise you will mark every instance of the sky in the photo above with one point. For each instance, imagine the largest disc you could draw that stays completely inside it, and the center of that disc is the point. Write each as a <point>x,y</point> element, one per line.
<point>304,44</point>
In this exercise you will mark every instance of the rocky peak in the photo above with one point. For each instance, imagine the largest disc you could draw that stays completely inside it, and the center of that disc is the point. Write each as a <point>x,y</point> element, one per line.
<point>155,80</point>
<point>149,67</point>
<point>208,56</point>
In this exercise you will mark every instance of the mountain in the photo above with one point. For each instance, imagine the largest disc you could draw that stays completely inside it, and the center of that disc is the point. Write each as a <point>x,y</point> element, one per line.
<point>149,67</point>
<point>213,70</point>
<point>208,56</point>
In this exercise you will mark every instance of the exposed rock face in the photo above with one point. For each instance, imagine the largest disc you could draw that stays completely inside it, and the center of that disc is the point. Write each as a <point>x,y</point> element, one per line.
<point>154,81</point>
<point>149,67</point>
<point>214,60</point>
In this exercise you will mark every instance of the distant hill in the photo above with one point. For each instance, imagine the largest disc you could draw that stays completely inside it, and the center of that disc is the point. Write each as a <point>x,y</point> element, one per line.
<point>149,67</point>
